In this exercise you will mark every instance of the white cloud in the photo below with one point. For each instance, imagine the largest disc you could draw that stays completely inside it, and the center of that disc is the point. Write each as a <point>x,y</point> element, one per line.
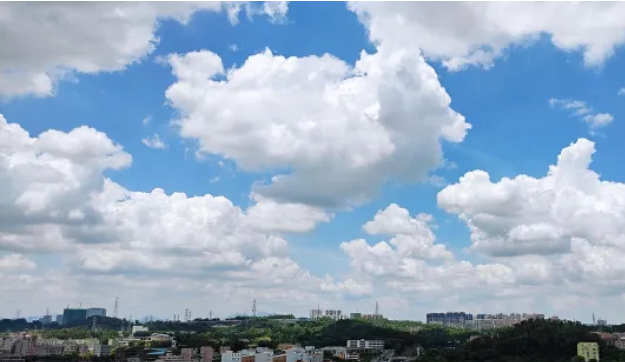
<point>55,199</point>
<point>154,142</point>
<point>233,48</point>
<point>476,33</point>
<point>581,110</point>
<point>570,216</point>
<point>348,129</point>
<point>44,42</point>
<point>16,262</point>
<point>588,269</point>
<point>276,10</point>
<point>146,120</point>
<point>621,92</point>
<point>267,214</point>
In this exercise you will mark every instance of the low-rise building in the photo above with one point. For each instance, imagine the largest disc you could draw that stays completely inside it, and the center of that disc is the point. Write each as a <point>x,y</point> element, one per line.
<point>6,345</point>
<point>136,329</point>
<point>49,350</point>
<point>362,345</point>
<point>229,356</point>
<point>588,350</point>
<point>11,359</point>
<point>303,355</point>
<point>206,354</point>
<point>24,347</point>
<point>101,350</point>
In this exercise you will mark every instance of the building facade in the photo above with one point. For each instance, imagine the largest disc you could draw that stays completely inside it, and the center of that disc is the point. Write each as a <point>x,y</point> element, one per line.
<point>72,315</point>
<point>449,318</point>
<point>316,313</point>
<point>334,314</point>
<point>588,350</point>
<point>96,312</point>
<point>363,345</point>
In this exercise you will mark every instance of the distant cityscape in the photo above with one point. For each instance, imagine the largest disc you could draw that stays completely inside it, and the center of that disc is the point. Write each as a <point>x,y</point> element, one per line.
<point>14,347</point>
<point>465,320</point>
<point>480,322</point>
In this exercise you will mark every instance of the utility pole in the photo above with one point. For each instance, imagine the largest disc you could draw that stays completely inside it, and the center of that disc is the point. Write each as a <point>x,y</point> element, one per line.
<point>116,307</point>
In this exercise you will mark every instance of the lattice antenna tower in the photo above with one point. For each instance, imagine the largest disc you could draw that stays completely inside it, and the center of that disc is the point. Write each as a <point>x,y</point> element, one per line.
<point>254,307</point>
<point>377,308</point>
<point>18,314</point>
<point>116,307</point>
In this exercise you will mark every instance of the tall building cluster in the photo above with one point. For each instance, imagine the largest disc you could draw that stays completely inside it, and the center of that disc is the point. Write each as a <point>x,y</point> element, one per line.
<point>72,315</point>
<point>479,321</point>
<point>337,314</point>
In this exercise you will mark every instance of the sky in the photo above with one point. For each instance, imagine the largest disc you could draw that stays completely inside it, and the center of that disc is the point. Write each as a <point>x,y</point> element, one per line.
<point>430,157</point>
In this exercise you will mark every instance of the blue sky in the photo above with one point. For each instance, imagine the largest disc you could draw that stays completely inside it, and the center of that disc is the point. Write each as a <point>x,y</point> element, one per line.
<point>515,131</point>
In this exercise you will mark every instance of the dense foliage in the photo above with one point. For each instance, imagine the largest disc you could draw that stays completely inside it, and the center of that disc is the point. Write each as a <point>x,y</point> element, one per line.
<point>533,340</point>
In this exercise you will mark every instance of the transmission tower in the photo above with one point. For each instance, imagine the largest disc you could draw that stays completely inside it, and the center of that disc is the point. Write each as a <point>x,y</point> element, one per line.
<point>116,307</point>
<point>94,327</point>
<point>254,308</point>
<point>18,314</point>
<point>210,314</point>
<point>377,309</point>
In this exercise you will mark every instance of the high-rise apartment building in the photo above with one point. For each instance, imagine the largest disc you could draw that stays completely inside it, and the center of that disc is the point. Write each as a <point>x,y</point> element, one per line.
<point>72,315</point>
<point>316,313</point>
<point>96,312</point>
<point>449,318</point>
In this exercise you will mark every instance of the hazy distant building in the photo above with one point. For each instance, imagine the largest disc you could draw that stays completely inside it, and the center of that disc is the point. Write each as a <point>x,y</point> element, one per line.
<point>449,318</point>
<point>316,313</point>
<point>96,312</point>
<point>73,315</point>
<point>602,322</point>
<point>372,316</point>
<point>46,319</point>
<point>334,314</point>
<point>59,318</point>
<point>136,329</point>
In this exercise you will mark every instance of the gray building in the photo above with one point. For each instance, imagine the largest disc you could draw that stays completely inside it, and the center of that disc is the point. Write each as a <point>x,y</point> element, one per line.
<point>96,312</point>
<point>73,315</point>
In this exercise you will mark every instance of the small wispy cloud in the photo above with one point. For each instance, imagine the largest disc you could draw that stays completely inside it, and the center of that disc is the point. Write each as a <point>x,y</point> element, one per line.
<point>146,120</point>
<point>154,142</point>
<point>583,111</point>
<point>621,92</point>
<point>276,10</point>
<point>233,47</point>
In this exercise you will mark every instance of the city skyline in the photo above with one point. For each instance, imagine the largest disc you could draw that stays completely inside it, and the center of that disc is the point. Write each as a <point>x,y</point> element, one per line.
<point>425,156</point>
